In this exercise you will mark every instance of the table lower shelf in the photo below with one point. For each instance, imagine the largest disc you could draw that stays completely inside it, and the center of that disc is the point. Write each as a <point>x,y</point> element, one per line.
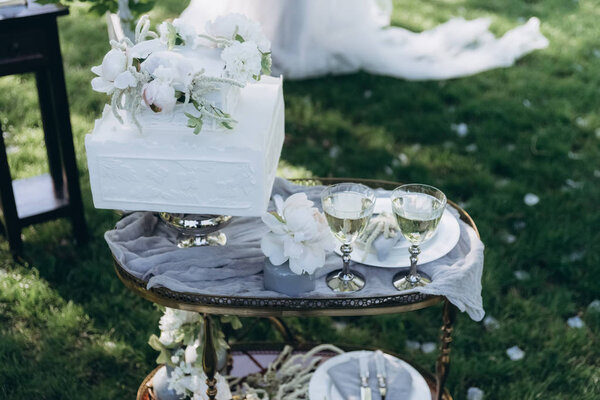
<point>248,359</point>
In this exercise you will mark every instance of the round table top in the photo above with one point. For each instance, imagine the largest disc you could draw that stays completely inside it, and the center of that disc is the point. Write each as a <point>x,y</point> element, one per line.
<point>334,305</point>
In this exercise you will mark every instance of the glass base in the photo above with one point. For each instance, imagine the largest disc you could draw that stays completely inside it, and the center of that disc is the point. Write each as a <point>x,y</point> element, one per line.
<point>213,239</point>
<point>345,283</point>
<point>402,280</point>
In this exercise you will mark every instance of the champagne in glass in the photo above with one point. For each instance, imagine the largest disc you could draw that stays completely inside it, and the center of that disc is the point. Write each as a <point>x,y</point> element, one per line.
<point>418,210</point>
<point>347,207</point>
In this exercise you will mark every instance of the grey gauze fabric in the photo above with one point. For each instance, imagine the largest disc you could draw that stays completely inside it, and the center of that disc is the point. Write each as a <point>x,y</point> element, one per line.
<point>146,248</point>
<point>346,378</point>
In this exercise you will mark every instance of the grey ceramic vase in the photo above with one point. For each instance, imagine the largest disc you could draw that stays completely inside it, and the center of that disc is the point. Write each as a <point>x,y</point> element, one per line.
<point>279,278</point>
<point>160,385</point>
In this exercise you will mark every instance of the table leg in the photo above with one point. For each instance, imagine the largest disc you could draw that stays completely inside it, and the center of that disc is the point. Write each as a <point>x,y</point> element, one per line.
<point>288,335</point>
<point>69,161</point>
<point>50,131</point>
<point>443,362</point>
<point>9,205</point>
<point>209,358</point>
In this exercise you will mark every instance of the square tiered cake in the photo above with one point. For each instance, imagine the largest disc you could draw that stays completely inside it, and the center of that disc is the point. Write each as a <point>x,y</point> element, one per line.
<point>192,128</point>
<point>166,168</point>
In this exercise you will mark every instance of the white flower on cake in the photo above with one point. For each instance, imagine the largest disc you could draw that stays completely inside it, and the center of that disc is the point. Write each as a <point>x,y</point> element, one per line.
<point>157,70</point>
<point>299,233</point>
<point>159,94</point>
<point>113,73</point>
<point>177,33</point>
<point>242,61</point>
<point>241,28</point>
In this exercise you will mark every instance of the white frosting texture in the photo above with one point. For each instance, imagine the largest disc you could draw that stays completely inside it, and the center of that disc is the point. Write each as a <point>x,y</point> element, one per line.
<point>168,168</point>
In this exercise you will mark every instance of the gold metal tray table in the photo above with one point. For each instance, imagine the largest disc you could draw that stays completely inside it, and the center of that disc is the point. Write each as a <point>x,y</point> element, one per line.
<point>274,308</point>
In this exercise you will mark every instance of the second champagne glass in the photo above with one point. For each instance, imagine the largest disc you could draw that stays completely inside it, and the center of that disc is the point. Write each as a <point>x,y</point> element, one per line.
<point>347,207</point>
<point>418,210</point>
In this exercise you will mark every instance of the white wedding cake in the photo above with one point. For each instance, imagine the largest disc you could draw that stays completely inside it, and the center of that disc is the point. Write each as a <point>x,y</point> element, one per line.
<point>192,127</point>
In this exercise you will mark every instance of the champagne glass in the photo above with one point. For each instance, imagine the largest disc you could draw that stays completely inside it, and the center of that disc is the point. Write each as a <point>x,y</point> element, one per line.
<point>347,207</point>
<point>418,210</point>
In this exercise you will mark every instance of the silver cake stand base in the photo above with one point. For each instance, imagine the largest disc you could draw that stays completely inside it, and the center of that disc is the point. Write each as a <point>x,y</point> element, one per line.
<point>197,230</point>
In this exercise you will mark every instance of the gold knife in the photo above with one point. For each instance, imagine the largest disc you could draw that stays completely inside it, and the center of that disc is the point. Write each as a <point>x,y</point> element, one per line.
<point>365,389</point>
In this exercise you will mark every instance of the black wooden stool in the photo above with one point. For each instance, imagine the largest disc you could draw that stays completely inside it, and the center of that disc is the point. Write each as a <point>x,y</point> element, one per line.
<point>29,43</point>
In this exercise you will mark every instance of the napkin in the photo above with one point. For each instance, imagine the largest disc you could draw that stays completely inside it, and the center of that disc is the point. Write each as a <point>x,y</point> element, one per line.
<point>346,378</point>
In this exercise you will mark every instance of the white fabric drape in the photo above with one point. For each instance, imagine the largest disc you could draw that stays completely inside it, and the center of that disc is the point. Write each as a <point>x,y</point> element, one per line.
<point>318,37</point>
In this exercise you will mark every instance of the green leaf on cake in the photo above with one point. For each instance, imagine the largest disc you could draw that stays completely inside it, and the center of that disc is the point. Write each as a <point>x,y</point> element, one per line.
<point>266,63</point>
<point>171,35</point>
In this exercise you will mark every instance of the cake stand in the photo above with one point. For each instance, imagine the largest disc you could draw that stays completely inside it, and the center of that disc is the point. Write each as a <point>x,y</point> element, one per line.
<point>276,307</point>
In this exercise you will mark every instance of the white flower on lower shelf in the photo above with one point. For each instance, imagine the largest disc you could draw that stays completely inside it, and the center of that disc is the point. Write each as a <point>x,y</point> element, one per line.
<point>515,353</point>
<point>299,233</point>
<point>189,380</point>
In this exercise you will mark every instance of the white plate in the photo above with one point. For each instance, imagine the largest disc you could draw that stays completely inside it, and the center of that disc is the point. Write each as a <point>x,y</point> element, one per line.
<point>439,245</point>
<point>321,387</point>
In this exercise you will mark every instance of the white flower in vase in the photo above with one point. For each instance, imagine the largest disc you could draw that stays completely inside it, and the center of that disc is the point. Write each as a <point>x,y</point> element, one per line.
<point>243,61</point>
<point>114,72</point>
<point>240,28</point>
<point>299,234</point>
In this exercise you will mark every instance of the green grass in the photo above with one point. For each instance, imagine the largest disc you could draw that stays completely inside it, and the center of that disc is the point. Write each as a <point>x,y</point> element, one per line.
<point>70,330</point>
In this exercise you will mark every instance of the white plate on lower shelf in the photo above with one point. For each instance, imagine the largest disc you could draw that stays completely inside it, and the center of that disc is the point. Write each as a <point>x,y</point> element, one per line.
<point>321,387</point>
<point>444,240</point>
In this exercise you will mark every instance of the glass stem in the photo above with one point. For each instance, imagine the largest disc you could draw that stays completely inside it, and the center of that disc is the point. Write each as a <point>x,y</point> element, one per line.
<point>346,250</point>
<point>413,276</point>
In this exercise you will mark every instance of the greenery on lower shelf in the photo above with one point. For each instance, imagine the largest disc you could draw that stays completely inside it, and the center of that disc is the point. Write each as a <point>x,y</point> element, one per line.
<point>70,330</point>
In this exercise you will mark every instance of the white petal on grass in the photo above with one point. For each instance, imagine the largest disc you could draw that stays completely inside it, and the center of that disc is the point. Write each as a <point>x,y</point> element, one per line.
<point>597,173</point>
<point>574,184</point>
<point>461,129</point>
<point>368,94</point>
<point>574,156</point>
<point>522,275</point>
<point>474,393</point>
<point>334,151</point>
<point>510,147</point>
<point>596,53</point>
<point>508,238</point>
<point>519,225</point>
<point>339,325</point>
<point>575,322</point>
<point>388,170</point>
<point>581,122</point>
<point>403,158</point>
<point>500,183</point>
<point>527,103</point>
<point>576,256</point>
<point>531,199</point>
<point>448,144</point>
<point>491,323</point>
<point>428,347</point>
<point>515,353</point>
<point>413,345</point>
<point>472,148</point>
<point>593,306</point>
<point>597,132</point>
